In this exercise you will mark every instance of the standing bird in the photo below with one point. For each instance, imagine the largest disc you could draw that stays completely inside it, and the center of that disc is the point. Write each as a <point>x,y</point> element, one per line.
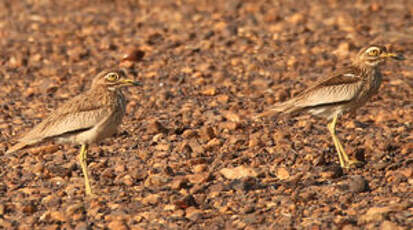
<point>345,91</point>
<point>85,119</point>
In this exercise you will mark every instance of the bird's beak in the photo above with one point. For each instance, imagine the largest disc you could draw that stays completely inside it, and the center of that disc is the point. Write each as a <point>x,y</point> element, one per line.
<point>130,82</point>
<point>393,55</point>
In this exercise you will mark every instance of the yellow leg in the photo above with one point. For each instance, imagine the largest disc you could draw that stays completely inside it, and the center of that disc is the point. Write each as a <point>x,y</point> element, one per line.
<point>83,164</point>
<point>332,128</point>
<point>344,154</point>
<point>345,161</point>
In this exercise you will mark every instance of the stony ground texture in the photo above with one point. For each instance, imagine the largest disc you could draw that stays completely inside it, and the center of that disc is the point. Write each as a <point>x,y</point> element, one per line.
<point>188,155</point>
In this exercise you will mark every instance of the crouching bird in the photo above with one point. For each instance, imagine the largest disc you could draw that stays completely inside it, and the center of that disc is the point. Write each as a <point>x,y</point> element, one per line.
<point>84,119</point>
<point>344,91</point>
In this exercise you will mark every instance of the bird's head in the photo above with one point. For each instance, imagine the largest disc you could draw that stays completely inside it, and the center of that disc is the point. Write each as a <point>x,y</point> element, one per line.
<point>374,55</point>
<point>113,79</point>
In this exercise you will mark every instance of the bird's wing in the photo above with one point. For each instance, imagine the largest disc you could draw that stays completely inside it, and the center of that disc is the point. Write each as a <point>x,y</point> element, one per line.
<point>341,87</point>
<point>79,113</point>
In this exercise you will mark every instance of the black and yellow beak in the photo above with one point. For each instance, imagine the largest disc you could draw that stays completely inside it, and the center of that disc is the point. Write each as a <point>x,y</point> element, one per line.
<point>130,82</point>
<point>393,55</point>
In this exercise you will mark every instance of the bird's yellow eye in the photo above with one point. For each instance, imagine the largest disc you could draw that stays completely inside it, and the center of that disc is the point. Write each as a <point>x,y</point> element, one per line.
<point>112,77</point>
<point>373,52</point>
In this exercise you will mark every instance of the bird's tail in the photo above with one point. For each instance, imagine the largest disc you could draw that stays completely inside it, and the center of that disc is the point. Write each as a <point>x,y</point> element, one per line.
<point>16,147</point>
<point>22,144</point>
<point>285,107</point>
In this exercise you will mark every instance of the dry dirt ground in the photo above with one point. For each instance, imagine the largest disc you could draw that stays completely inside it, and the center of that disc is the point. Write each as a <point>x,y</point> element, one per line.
<point>188,155</point>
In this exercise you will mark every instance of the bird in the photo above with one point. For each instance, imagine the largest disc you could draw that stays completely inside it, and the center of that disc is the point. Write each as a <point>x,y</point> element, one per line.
<point>84,119</point>
<point>344,91</point>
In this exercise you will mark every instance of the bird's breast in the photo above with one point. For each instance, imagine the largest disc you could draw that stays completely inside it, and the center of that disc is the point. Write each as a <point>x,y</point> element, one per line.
<point>372,85</point>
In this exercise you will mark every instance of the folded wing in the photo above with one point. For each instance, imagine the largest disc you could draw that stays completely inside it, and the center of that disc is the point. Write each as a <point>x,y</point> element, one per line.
<point>340,88</point>
<point>77,114</point>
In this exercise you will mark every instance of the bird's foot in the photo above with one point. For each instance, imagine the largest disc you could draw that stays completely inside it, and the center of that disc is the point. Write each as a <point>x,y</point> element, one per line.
<point>90,194</point>
<point>353,163</point>
<point>88,189</point>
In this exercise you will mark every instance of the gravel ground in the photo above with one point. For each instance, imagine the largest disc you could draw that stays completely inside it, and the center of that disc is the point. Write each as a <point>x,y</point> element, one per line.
<point>188,155</point>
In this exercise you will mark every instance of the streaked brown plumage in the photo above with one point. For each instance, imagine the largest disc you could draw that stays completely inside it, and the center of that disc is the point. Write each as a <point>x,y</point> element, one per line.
<point>85,119</point>
<point>343,92</point>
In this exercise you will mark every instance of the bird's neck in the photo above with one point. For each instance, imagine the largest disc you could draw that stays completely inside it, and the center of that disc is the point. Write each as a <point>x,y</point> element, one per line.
<point>366,67</point>
<point>109,96</point>
<point>113,89</point>
<point>104,89</point>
